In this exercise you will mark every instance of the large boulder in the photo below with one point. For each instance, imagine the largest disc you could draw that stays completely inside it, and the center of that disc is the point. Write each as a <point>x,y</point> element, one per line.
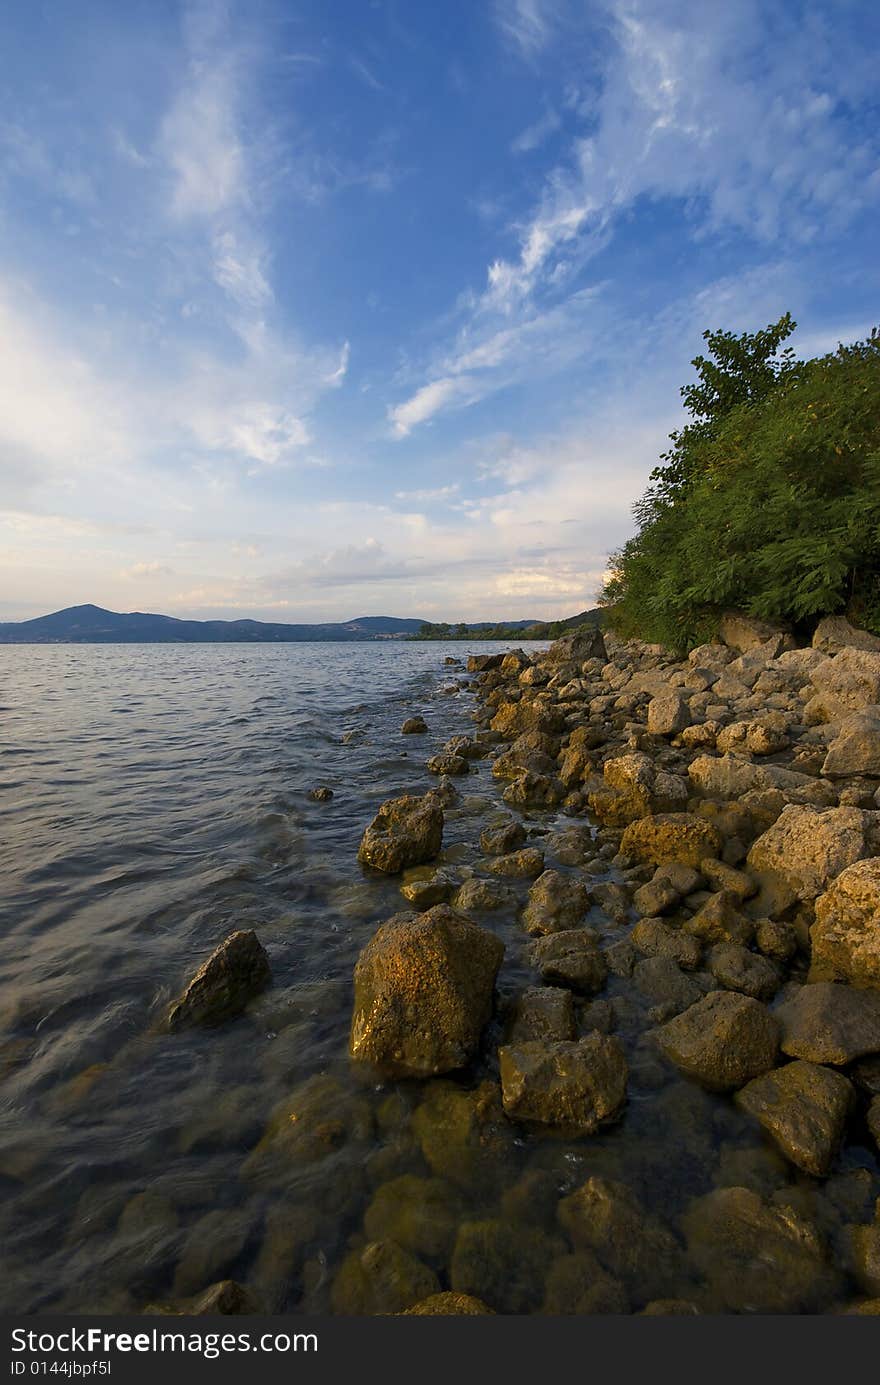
<point>235,972</point>
<point>423,992</point>
<point>664,837</point>
<point>573,1086</point>
<point>744,632</point>
<point>849,681</point>
<point>845,938</point>
<point>556,902</point>
<point>834,633</point>
<point>856,747</point>
<point>809,847</point>
<point>804,1107</point>
<point>828,1023</point>
<point>722,1041</point>
<point>406,831</point>
<point>668,713</point>
<point>513,718</point>
<point>585,643</point>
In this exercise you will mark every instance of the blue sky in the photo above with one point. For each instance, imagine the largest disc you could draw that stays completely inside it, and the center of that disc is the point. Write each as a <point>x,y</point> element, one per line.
<point>316,310</point>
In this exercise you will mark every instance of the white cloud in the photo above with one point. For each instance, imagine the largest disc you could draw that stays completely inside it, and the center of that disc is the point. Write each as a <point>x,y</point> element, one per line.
<point>534,135</point>
<point>141,570</point>
<point>527,24</point>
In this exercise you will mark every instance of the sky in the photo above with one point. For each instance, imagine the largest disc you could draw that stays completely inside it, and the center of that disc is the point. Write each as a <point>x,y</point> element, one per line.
<point>311,311</point>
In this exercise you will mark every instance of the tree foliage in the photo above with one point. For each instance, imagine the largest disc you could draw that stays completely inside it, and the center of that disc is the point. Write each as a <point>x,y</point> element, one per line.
<point>767,501</point>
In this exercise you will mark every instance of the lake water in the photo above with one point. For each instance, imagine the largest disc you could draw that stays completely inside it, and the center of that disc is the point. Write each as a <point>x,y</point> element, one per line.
<point>153,799</point>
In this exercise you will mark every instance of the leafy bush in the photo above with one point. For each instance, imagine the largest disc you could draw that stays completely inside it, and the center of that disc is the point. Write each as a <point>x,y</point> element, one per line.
<point>768,500</point>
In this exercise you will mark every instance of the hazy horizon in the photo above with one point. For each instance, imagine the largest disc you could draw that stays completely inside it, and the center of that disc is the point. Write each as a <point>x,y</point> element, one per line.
<point>384,308</point>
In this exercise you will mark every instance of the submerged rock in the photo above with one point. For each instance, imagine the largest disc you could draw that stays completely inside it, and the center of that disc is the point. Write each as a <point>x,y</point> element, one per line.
<point>503,1264</point>
<point>406,831</point>
<point>574,1086</point>
<point>556,902</point>
<point>419,1214</point>
<point>605,1217</point>
<point>382,1278</point>
<point>804,1107</point>
<point>828,1023</point>
<point>448,1304</point>
<point>423,992</point>
<point>577,1285</point>
<point>233,974</point>
<point>722,1041</point>
<point>226,1298</point>
<point>414,726</point>
<point>845,939</point>
<point>464,1135</point>
<point>571,958</point>
<point>543,1012</point>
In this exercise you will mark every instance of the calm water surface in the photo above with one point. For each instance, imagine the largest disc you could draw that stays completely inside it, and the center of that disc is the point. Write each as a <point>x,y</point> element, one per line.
<point>153,799</point>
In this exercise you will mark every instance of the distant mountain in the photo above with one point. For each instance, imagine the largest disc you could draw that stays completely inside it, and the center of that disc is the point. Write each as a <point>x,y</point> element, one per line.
<point>94,625</point>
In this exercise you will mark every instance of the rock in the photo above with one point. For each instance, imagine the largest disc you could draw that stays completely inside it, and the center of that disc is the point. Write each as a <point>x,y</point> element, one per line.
<point>503,1264</point>
<point>502,839</point>
<point>225,1298</point>
<point>738,885</point>
<point>483,896</point>
<point>513,718</point>
<point>862,1244</point>
<point>556,902</point>
<point>214,1244</point>
<point>465,1136</point>
<point>419,1214</point>
<point>809,847</point>
<point>744,633</point>
<point>234,973</point>
<point>660,838</point>
<point>775,939</point>
<point>719,921</point>
<point>448,1304</point>
<point>423,992</point>
<point>834,633</point>
<point>321,794</point>
<point>827,1023</point>
<point>668,713</point>
<point>722,1041</point>
<point>583,644</point>
<point>656,897</point>
<point>518,865</point>
<point>447,763</point>
<point>577,1285</point>
<point>605,1217</point>
<point>406,831</point>
<point>543,1012</point>
<point>662,980</point>
<point>683,879</point>
<point>317,1120</point>
<point>737,969</point>
<point>572,846</point>
<point>414,726</point>
<point>845,939</point>
<point>804,1108</point>
<point>381,1279</point>
<point>872,1120</point>
<point>573,1086</point>
<point>756,1257</point>
<point>856,747</point>
<point>423,887</point>
<point>571,958</point>
<point>657,938</point>
<point>849,681</point>
<point>530,790</point>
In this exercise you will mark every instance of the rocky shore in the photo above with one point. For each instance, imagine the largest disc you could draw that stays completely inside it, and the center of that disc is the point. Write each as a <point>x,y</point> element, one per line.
<point>623,1033</point>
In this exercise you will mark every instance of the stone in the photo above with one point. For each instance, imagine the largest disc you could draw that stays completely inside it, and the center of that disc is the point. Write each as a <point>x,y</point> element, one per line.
<point>502,839</point>
<point>406,831</point>
<point>657,938</point>
<point>213,1245</point>
<point>556,902</point>
<point>530,790</point>
<point>719,921</point>
<point>848,682</point>
<point>834,633</point>
<point>585,643</point>
<point>423,887</point>
<point>862,1245</point>
<point>803,1107</point>
<point>448,1304</point>
<point>483,896</point>
<point>310,1126</point>
<point>722,1041</point>
<point>845,938</point>
<point>872,1120</point>
<point>577,1285</point>
<point>234,973</point>
<point>465,1136</point>
<point>322,794</point>
<point>737,969</point>
<point>664,983</point>
<point>744,632</point>
<point>573,1086</point>
<point>543,1012</point>
<point>423,992</point>
<point>660,838</point>
<point>382,1278</point>
<point>655,897</point>
<point>776,939</point>
<point>513,718</point>
<point>518,865</point>
<point>571,958</point>
<point>828,1023</point>
<point>856,747</point>
<point>809,847</point>
<point>226,1299</point>
<point>668,713</point>
<point>414,726</point>
<point>445,762</point>
<point>738,885</point>
<point>503,1264</point>
<point>754,1256</point>
<point>605,1217</point>
<point>419,1214</point>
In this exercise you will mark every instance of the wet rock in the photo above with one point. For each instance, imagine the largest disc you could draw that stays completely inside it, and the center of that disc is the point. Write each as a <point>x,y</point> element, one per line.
<point>225,1298</point>
<point>414,726</point>
<point>292,1232</point>
<point>423,992</point>
<point>872,1120</point>
<point>668,713</point>
<point>573,1086</point>
<point>657,938</point>
<point>572,846</point>
<point>447,763</point>
<point>605,1217</point>
<point>577,1285</point>
<point>530,790</point>
<point>464,1135</point>
<point>503,839</point>
<point>381,1279</point>
<point>483,896</point>
<point>809,847</point>
<point>722,1041</point>
<point>613,899</point>
<point>664,983</point>
<point>556,902</point>
<point>518,865</point>
<point>845,939</point>
<point>423,887</point>
<point>804,1107</point>
<point>737,969</point>
<point>828,1023</point>
<point>513,718</point>
<point>543,1012</point>
<point>719,921</point>
<point>314,1123</point>
<point>322,794</point>
<point>571,958</point>
<point>234,973</point>
<point>683,838</point>
<point>756,1257</point>
<point>406,831</point>
<point>419,1214</point>
<point>862,1251</point>
<point>503,1264</point>
<point>213,1245</point>
<point>448,1304</point>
